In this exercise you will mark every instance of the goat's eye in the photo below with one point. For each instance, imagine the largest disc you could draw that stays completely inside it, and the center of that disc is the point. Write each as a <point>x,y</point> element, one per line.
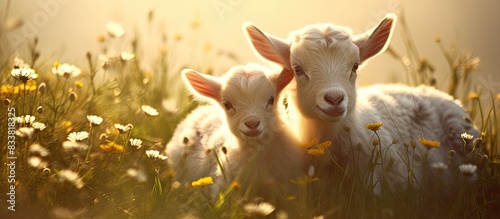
<point>227,105</point>
<point>355,66</point>
<point>298,70</point>
<point>270,101</point>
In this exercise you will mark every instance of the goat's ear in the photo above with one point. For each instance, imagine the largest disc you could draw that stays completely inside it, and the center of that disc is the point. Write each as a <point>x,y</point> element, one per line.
<point>203,84</point>
<point>283,79</point>
<point>268,46</point>
<point>375,41</point>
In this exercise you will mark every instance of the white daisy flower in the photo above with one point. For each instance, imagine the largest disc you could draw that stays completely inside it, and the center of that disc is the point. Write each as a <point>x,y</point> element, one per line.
<point>38,126</point>
<point>466,136</point>
<point>37,162</point>
<point>25,120</point>
<point>123,128</point>
<point>40,150</point>
<point>25,132</point>
<point>260,209</point>
<point>149,110</point>
<point>94,120</point>
<point>155,155</point>
<point>115,29</point>
<point>66,70</point>
<point>139,175</point>
<point>78,136</point>
<point>467,169</point>
<point>439,166</point>
<point>74,145</point>
<point>23,74</point>
<point>70,176</point>
<point>136,142</point>
<point>127,56</point>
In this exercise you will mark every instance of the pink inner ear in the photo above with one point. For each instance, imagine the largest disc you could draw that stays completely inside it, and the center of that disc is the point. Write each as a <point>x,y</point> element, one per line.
<point>283,79</point>
<point>377,41</point>
<point>271,48</point>
<point>204,85</point>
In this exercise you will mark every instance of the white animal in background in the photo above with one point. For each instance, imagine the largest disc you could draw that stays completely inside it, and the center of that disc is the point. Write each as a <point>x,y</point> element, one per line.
<point>242,126</point>
<point>325,59</point>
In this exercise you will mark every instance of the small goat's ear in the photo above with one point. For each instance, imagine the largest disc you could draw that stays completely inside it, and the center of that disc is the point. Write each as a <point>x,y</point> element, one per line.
<point>285,76</point>
<point>375,41</point>
<point>268,46</point>
<point>203,84</point>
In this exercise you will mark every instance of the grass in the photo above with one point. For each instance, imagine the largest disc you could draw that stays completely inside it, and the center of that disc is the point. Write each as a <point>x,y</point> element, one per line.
<point>103,175</point>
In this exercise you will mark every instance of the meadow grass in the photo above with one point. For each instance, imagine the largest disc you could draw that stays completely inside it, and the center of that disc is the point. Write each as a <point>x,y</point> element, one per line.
<point>79,154</point>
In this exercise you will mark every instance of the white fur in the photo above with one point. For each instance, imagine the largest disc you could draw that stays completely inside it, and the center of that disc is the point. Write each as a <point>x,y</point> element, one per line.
<point>265,155</point>
<point>324,94</point>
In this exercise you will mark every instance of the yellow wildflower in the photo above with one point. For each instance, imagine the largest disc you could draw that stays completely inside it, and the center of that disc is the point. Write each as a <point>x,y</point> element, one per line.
<point>78,84</point>
<point>429,143</point>
<point>56,64</point>
<point>498,96</point>
<point>324,145</point>
<point>235,185</point>
<point>67,124</point>
<point>437,38</point>
<point>483,134</point>
<point>304,180</point>
<point>195,24</point>
<point>205,181</point>
<point>374,126</point>
<point>310,144</point>
<point>112,147</point>
<point>316,151</point>
<point>101,38</point>
<point>178,37</point>
<point>473,96</point>
<point>291,198</point>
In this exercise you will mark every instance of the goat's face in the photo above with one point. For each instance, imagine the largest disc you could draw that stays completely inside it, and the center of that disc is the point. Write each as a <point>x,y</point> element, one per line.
<point>248,99</point>
<point>324,60</point>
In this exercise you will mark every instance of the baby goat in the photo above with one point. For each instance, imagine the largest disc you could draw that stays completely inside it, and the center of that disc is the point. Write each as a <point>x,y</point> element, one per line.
<point>325,59</point>
<point>243,128</point>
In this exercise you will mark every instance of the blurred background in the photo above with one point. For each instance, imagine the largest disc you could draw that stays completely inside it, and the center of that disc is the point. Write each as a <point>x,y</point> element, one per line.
<point>67,29</point>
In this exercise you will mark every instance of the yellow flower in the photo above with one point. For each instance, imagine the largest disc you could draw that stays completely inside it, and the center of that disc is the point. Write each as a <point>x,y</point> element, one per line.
<point>101,38</point>
<point>498,96</point>
<point>235,185</point>
<point>78,84</point>
<point>473,96</point>
<point>304,180</point>
<point>310,144</point>
<point>374,126</point>
<point>195,24</point>
<point>483,134</point>
<point>112,147</point>
<point>56,64</point>
<point>429,143</point>
<point>205,181</point>
<point>437,38</point>
<point>178,37</point>
<point>67,124</point>
<point>324,145</point>
<point>291,198</point>
<point>316,151</point>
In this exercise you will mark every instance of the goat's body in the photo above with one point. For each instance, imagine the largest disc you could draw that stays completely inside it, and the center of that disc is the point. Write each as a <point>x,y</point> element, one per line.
<point>407,114</point>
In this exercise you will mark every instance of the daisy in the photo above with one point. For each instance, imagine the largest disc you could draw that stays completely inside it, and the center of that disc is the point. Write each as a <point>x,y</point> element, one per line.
<point>25,132</point>
<point>136,142</point>
<point>38,126</point>
<point>23,74</point>
<point>127,56</point>
<point>466,136</point>
<point>40,150</point>
<point>467,169</point>
<point>78,136</point>
<point>155,155</point>
<point>25,120</point>
<point>70,176</point>
<point>66,70</point>
<point>439,166</point>
<point>94,120</point>
<point>260,209</point>
<point>139,175</point>
<point>37,162</point>
<point>149,110</point>
<point>115,29</point>
<point>123,128</point>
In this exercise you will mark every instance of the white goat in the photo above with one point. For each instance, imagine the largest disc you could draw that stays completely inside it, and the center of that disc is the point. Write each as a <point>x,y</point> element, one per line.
<point>325,59</point>
<point>258,148</point>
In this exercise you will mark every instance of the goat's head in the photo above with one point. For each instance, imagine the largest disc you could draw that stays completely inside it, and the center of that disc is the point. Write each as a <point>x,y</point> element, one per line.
<point>247,95</point>
<point>324,59</point>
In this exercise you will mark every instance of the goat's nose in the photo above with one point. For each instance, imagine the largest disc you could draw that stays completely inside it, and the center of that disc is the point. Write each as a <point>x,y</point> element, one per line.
<point>252,124</point>
<point>333,99</point>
